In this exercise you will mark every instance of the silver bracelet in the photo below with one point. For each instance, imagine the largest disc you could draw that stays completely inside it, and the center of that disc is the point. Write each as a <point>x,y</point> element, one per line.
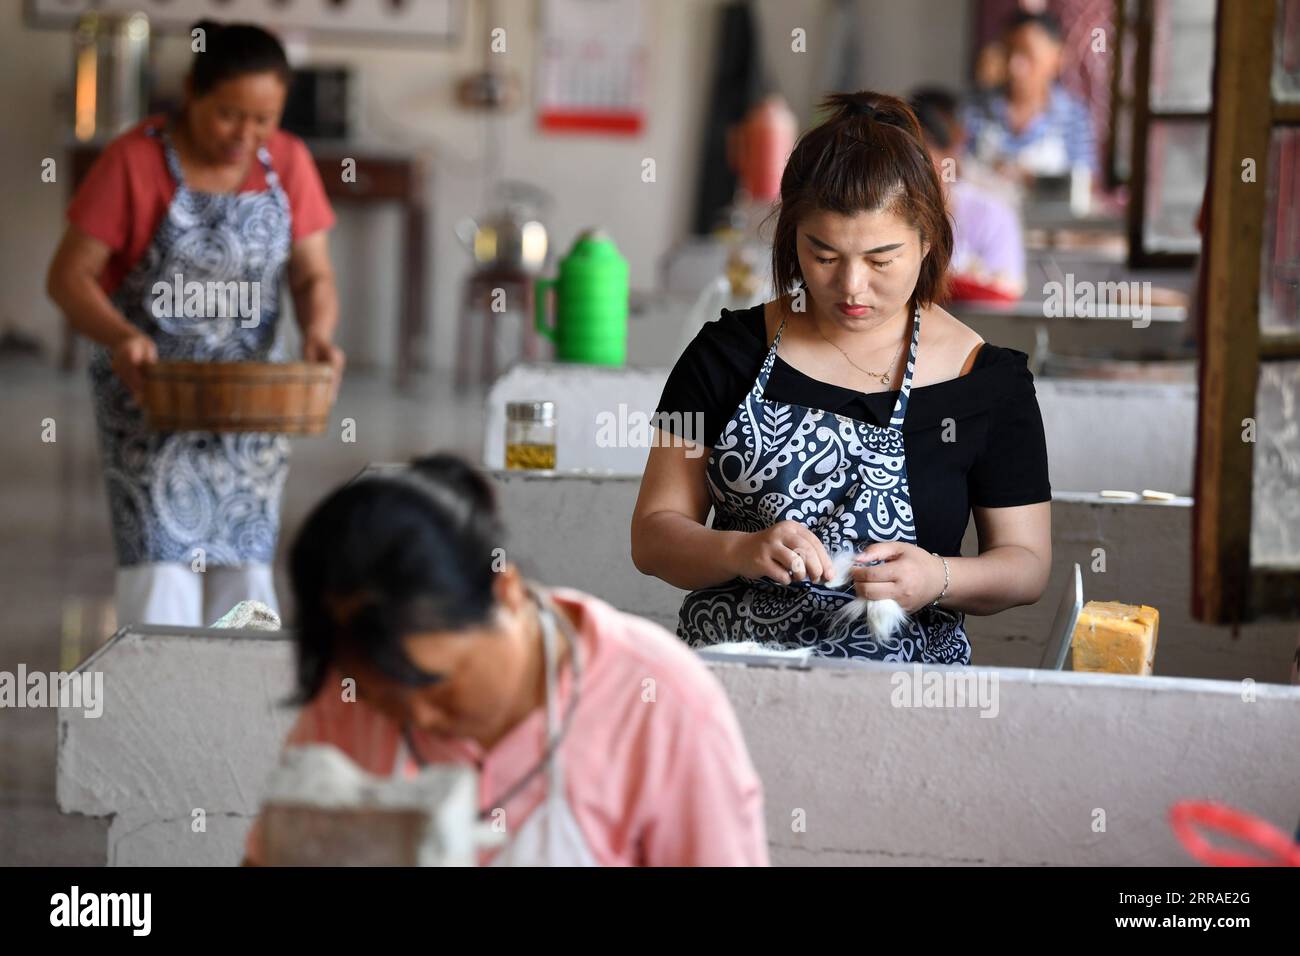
<point>943,593</point>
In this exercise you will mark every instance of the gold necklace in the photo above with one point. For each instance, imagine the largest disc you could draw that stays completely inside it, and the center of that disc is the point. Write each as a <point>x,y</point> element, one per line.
<point>883,376</point>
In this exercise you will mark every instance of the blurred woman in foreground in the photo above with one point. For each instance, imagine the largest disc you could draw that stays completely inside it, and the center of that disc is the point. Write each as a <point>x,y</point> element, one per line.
<point>603,738</point>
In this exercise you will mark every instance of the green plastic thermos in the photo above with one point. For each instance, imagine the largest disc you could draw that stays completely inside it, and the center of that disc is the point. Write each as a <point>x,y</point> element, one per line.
<point>590,303</point>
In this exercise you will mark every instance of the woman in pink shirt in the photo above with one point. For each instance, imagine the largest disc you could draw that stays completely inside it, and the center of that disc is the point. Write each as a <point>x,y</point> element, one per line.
<point>598,738</point>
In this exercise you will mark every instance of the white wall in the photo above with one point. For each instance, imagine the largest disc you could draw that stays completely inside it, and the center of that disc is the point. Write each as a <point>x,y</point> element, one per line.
<point>876,783</point>
<point>409,95</point>
<point>914,43</point>
<point>191,720</point>
<point>34,65</point>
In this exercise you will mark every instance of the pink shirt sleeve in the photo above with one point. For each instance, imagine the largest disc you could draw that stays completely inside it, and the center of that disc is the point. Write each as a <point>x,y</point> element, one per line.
<point>709,804</point>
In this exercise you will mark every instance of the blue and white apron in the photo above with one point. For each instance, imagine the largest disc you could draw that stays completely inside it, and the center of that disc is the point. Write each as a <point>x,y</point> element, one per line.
<point>844,480</point>
<point>171,493</point>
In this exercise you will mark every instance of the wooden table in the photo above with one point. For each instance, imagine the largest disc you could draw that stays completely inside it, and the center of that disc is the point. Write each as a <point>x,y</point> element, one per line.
<point>381,177</point>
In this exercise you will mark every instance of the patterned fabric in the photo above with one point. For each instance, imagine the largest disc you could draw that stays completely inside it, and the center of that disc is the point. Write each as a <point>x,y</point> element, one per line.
<point>846,481</point>
<point>1057,139</point>
<point>173,492</point>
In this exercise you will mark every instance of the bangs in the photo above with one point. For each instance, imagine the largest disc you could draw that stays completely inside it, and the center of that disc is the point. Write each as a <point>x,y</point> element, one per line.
<point>868,157</point>
<point>852,175</point>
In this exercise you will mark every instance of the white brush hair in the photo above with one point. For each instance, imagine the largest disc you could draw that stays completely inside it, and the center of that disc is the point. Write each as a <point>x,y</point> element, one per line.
<point>885,618</point>
<point>761,648</point>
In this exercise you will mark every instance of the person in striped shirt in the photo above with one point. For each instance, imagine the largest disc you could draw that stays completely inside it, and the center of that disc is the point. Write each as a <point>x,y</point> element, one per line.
<point>1033,126</point>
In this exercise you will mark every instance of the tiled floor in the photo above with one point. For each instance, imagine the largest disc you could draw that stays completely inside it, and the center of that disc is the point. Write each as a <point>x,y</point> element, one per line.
<point>56,561</point>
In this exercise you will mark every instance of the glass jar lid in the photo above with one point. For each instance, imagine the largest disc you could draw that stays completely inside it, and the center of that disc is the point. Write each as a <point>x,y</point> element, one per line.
<point>534,411</point>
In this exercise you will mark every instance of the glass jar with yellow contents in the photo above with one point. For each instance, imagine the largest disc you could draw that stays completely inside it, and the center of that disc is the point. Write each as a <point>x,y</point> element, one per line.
<point>530,435</point>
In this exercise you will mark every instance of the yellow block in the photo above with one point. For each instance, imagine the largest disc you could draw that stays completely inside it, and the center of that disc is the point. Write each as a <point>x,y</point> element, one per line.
<point>1115,638</point>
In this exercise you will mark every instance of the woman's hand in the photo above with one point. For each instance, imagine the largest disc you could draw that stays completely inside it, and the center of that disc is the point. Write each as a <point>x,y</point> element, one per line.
<point>319,348</point>
<point>909,575</point>
<point>129,356</point>
<point>786,552</point>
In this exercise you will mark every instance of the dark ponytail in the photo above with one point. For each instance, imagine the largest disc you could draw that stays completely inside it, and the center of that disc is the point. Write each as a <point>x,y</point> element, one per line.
<point>232,50</point>
<point>852,109</point>
<point>868,155</point>
<point>416,550</point>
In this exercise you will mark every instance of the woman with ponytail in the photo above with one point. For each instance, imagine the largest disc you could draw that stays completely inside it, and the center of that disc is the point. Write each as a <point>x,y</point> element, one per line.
<point>851,425</point>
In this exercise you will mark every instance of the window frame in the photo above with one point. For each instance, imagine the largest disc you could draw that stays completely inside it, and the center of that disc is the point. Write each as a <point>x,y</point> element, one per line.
<point>1144,114</point>
<point>1227,587</point>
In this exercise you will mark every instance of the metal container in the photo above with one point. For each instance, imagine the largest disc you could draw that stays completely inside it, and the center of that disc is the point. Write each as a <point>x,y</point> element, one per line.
<point>513,238</point>
<point>530,435</point>
<point>110,74</point>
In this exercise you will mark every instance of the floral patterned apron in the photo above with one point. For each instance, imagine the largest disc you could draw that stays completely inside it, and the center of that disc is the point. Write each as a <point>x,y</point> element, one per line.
<point>171,493</point>
<point>844,480</point>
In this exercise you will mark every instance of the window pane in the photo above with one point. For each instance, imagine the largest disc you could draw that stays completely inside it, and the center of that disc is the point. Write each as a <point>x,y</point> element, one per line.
<point>1286,57</point>
<point>1182,54</point>
<point>1176,173</point>
<point>1275,506</point>
<point>1279,288</point>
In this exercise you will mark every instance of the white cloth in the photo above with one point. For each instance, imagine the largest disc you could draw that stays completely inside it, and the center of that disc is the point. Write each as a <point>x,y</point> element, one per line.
<point>168,592</point>
<point>225,586</point>
<point>249,615</point>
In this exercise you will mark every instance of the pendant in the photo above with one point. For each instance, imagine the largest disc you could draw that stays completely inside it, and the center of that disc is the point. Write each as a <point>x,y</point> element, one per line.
<point>884,380</point>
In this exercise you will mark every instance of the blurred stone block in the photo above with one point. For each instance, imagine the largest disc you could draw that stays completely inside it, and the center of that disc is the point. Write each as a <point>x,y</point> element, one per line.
<point>315,836</point>
<point>324,810</point>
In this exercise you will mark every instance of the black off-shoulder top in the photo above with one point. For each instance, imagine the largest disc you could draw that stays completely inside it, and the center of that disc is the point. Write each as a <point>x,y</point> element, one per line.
<point>996,455</point>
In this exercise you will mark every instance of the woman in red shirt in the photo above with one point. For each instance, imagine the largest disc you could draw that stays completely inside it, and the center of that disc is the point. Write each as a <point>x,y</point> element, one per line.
<point>174,249</point>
